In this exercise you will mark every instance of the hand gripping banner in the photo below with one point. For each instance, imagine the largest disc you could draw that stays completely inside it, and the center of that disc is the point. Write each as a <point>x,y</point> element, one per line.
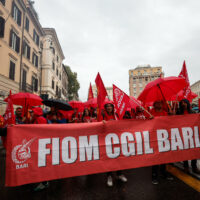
<point>37,153</point>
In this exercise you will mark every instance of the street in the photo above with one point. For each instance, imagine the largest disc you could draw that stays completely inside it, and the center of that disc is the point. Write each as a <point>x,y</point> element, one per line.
<point>93,187</point>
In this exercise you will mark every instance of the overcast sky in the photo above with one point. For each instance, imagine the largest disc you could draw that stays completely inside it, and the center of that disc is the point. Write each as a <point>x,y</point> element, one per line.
<point>113,36</point>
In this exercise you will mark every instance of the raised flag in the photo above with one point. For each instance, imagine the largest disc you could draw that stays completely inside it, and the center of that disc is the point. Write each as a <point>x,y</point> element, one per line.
<point>101,95</point>
<point>121,101</point>
<point>9,117</point>
<point>90,93</point>
<point>184,74</point>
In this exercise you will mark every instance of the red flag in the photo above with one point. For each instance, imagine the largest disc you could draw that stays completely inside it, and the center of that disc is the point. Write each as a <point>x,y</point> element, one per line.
<point>90,93</point>
<point>187,89</point>
<point>9,117</point>
<point>199,104</point>
<point>101,95</point>
<point>121,101</point>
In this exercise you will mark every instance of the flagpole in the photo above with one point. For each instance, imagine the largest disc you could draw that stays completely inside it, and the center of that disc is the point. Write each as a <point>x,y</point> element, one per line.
<point>142,107</point>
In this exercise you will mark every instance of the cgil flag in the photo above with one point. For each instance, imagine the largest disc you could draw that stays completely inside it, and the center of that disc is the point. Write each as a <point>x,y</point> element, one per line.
<point>90,93</point>
<point>101,95</point>
<point>184,74</point>
<point>121,101</point>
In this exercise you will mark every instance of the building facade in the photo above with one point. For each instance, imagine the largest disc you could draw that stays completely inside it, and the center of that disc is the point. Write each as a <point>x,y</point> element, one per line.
<point>20,50</point>
<point>52,69</point>
<point>65,83</point>
<point>108,89</point>
<point>196,89</point>
<point>140,76</point>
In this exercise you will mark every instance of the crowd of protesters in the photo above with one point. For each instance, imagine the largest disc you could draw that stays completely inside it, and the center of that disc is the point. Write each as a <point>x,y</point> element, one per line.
<point>37,115</point>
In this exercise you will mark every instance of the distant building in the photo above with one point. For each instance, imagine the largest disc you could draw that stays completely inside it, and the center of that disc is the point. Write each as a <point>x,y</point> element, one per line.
<point>52,58</point>
<point>20,52</point>
<point>196,89</point>
<point>140,76</point>
<point>108,89</point>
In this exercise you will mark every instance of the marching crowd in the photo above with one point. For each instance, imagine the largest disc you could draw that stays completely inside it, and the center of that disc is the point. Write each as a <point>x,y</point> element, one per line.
<point>37,115</point>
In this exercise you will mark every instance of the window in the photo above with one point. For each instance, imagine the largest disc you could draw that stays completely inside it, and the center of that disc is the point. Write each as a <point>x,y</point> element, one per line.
<point>140,84</point>
<point>3,2</point>
<point>134,89</point>
<point>16,14</point>
<point>52,85</point>
<point>146,79</point>
<point>14,41</point>
<point>53,50</point>
<point>141,89</point>
<point>56,90</point>
<point>2,27</point>
<point>12,71</point>
<point>57,58</point>
<point>53,65</point>
<point>35,59</point>
<point>27,24</point>
<point>134,80</point>
<point>134,95</point>
<point>134,85</point>
<point>57,71</point>
<point>34,84</point>
<point>36,38</point>
<point>24,73</point>
<point>60,76</point>
<point>26,50</point>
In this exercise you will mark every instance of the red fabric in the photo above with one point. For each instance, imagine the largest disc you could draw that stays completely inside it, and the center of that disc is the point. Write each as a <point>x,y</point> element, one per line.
<point>40,120</point>
<point>133,103</point>
<point>158,114</point>
<point>87,119</point>
<point>25,99</point>
<point>9,116</point>
<point>101,95</point>
<point>186,92</point>
<point>90,93</point>
<point>1,121</point>
<point>109,117</point>
<point>169,86</point>
<point>42,152</point>
<point>121,101</point>
<point>181,95</point>
<point>77,104</point>
<point>37,111</point>
<point>199,104</point>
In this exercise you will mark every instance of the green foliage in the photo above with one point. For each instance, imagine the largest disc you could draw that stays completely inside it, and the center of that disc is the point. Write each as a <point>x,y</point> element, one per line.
<point>73,85</point>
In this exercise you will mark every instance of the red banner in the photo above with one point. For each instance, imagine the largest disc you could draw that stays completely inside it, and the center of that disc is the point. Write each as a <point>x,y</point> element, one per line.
<point>121,101</point>
<point>37,153</point>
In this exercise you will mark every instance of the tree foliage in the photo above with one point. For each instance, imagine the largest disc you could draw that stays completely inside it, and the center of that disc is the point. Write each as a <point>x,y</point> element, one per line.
<point>73,84</point>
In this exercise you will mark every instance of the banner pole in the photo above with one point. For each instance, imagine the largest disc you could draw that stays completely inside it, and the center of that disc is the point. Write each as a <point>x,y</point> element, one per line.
<point>141,107</point>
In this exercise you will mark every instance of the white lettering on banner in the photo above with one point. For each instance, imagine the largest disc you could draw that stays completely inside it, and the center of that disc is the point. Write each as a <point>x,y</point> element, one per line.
<point>138,136</point>
<point>188,137</point>
<point>176,140</point>
<point>87,148</point>
<point>69,150</point>
<point>110,140</point>
<point>90,149</point>
<point>147,148</point>
<point>128,149</point>
<point>196,133</point>
<point>43,151</point>
<point>163,141</point>
<point>55,151</point>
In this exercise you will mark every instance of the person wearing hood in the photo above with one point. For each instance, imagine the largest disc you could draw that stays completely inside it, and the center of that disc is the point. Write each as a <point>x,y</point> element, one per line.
<point>37,116</point>
<point>185,108</point>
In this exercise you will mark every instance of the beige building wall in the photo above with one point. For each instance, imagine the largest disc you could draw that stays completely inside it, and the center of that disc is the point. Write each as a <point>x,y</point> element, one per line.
<point>140,76</point>
<point>8,52</point>
<point>52,58</point>
<point>196,89</point>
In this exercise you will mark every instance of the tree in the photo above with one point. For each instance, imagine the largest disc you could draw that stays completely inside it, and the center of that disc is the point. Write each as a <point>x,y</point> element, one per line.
<point>73,84</point>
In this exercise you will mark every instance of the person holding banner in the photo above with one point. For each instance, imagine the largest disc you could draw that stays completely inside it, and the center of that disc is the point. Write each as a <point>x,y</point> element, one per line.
<point>86,118</point>
<point>185,108</point>
<point>157,111</point>
<point>109,115</point>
